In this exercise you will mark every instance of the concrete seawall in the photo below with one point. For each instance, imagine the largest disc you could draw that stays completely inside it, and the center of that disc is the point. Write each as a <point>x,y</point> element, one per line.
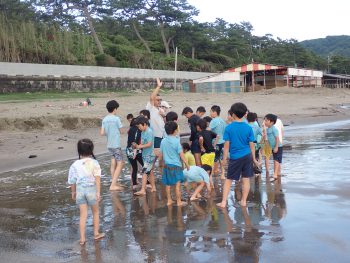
<point>25,77</point>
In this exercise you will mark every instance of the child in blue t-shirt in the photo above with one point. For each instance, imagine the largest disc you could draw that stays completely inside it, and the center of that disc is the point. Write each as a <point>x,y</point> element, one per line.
<point>148,157</point>
<point>172,154</point>
<point>111,126</point>
<point>276,146</point>
<point>252,121</point>
<point>218,125</point>
<point>200,177</point>
<point>239,141</point>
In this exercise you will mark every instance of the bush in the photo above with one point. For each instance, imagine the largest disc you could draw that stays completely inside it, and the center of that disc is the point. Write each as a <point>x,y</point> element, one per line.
<point>105,60</point>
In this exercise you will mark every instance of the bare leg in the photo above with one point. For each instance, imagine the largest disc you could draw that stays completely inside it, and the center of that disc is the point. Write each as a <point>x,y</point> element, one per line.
<point>178,195</point>
<point>82,222</point>
<point>197,159</point>
<point>152,181</point>
<point>222,177</point>
<point>96,221</point>
<point>216,168</point>
<point>276,169</point>
<point>117,171</point>
<point>197,191</point>
<point>245,190</point>
<point>143,186</point>
<point>267,166</point>
<point>168,195</point>
<point>226,191</point>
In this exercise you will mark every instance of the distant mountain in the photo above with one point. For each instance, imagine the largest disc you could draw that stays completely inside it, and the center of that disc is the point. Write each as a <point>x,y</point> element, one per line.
<point>329,46</point>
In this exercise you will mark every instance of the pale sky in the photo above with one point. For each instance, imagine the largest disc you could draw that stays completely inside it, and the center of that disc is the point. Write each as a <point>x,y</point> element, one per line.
<point>299,19</point>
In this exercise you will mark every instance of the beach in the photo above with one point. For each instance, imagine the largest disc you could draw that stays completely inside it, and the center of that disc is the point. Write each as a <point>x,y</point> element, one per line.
<point>48,130</point>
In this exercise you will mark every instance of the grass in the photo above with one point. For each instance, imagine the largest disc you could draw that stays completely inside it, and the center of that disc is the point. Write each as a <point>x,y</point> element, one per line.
<point>56,95</point>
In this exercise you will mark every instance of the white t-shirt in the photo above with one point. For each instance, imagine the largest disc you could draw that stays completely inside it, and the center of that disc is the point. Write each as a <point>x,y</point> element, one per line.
<point>157,121</point>
<point>280,128</point>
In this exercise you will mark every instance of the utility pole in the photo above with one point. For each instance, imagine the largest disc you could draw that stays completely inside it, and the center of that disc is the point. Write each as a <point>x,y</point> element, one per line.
<point>175,77</point>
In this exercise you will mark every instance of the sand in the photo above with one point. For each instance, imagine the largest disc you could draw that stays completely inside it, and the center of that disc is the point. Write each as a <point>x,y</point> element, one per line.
<point>48,130</point>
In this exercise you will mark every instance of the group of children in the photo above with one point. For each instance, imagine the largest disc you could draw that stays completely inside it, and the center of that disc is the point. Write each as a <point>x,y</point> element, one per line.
<point>212,142</point>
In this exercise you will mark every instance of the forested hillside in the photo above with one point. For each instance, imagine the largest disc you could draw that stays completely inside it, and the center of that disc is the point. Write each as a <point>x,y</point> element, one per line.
<point>139,34</point>
<point>329,46</point>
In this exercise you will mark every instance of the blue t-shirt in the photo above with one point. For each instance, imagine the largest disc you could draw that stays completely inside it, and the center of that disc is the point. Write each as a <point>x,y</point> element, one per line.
<point>272,133</point>
<point>196,174</point>
<point>146,137</point>
<point>111,124</point>
<point>218,126</point>
<point>171,149</point>
<point>239,134</point>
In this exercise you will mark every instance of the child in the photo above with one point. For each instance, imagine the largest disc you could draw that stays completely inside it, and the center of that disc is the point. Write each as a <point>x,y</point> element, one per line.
<point>207,119</point>
<point>229,117</point>
<point>218,125</point>
<point>129,117</point>
<point>192,122</point>
<point>172,154</point>
<point>134,155</point>
<point>199,176</point>
<point>85,180</point>
<point>111,127</point>
<point>276,146</point>
<point>205,138</point>
<point>188,155</point>
<point>200,111</point>
<point>280,128</point>
<point>239,140</point>
<point>172,116</point>
<point>252,121</point>
<point>148,157</point>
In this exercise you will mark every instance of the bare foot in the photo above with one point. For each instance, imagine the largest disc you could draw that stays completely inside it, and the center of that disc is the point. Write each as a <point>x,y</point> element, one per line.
<point>153,190</point>
<point>82,242</point>
<point>116,188</point>
<point>222,177</point>
<point>222,205</point>
<point>243,204</point>
<point>99,236</point>
<point>181,203</point>
<point>194,199</point>
<point>169,203</point>
<point>140,193</point>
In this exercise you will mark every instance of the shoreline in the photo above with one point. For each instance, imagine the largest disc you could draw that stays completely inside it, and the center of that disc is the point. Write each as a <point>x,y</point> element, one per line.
<point>66,155</point>
<point>52,143</point>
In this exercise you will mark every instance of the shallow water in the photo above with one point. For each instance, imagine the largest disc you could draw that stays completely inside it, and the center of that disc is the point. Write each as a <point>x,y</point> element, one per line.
<point>303,218</point>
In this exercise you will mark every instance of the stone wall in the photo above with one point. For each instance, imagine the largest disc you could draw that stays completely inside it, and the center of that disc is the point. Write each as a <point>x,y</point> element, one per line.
<point>10,84</point>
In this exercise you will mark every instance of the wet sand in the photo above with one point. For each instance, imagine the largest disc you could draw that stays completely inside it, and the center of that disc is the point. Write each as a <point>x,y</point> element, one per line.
<point>49,129</point>
<point>304,217</point>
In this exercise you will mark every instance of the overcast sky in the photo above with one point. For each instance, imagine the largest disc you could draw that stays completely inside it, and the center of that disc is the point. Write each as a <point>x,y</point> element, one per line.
<point>299,19</point>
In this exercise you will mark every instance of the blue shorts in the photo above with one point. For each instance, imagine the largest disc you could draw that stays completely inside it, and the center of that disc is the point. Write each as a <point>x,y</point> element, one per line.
<point>195,148</point>
<point>157,141</point>
<point>116,153</point>
<point>172,174</point>
<point>241,166</point>
<point>278,156</point>
<point>219,150</point>
<point>86,195</point>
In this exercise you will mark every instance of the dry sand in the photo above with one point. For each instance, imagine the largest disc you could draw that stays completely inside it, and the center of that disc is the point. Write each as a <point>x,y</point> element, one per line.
<point>50,129</point>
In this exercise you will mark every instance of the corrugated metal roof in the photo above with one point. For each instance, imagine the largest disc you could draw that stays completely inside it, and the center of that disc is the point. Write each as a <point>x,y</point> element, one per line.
<point>336,76</point>
<point>255,67</point>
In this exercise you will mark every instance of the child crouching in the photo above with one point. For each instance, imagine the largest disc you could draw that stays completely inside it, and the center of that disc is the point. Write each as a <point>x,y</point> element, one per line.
<point>172,154</point>
<point>199,176</point>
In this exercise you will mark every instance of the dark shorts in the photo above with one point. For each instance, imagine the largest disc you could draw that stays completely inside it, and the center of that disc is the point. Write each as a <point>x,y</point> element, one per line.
<point>278,156</point>
<point>157,141</point>
<point>242,166</point>
<point>219,150</point>
<point>195,148</point>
